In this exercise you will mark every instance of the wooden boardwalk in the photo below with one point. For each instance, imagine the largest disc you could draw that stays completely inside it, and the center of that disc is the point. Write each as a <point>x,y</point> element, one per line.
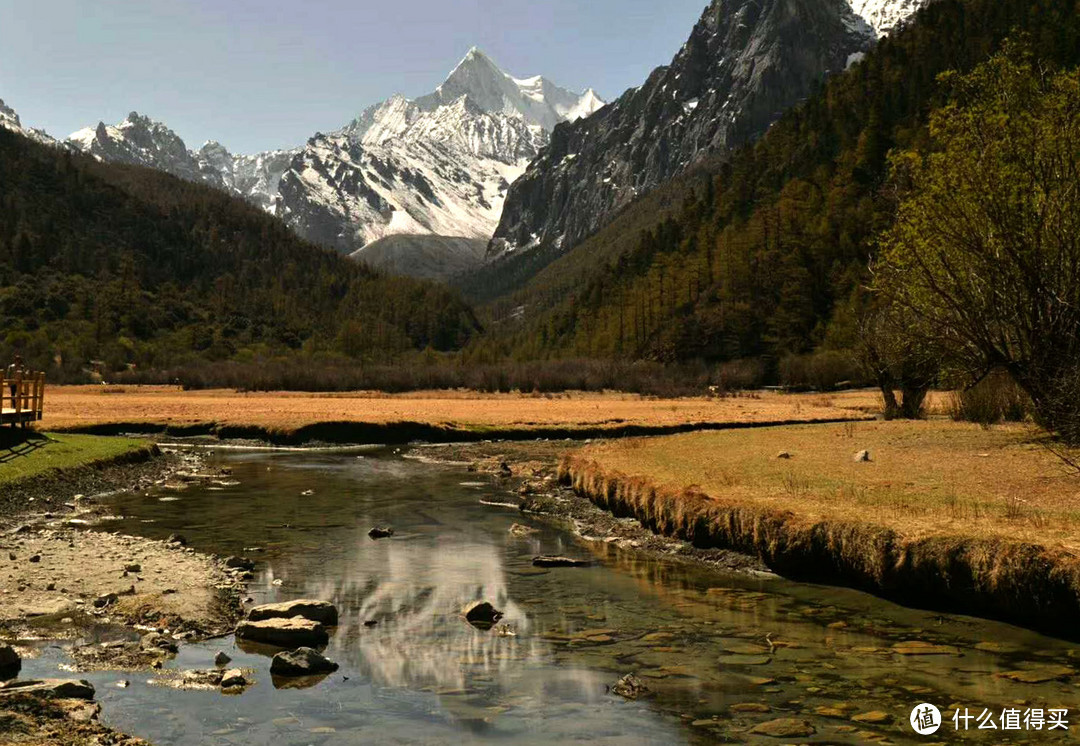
<point>22,399</point>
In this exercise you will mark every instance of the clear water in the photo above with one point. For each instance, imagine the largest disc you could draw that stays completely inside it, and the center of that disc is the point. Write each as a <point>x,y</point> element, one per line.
<point>699,639</point>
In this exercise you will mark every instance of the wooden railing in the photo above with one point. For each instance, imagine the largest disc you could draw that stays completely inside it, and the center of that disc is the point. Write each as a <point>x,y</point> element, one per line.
<point>22,398</point>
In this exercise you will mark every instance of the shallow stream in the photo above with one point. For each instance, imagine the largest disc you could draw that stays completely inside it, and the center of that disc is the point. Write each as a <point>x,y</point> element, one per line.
<point>721,653</point>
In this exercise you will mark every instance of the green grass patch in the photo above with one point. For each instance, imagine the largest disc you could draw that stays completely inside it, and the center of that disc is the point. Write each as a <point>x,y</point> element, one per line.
<point>29,454</point>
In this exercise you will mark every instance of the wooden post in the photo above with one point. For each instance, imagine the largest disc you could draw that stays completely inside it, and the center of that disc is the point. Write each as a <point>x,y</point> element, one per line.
<point>18,398</point>
<point>41,396</point>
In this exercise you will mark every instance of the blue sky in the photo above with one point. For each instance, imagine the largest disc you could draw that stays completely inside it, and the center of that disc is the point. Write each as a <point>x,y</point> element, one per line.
<point>259,75</point>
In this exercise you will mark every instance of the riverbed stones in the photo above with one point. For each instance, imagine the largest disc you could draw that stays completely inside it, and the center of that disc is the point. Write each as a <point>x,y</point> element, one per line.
<point>921,647</point>
<point>546,561</point>
<point>784,728</point>
<point>381,532</point>
<point>482,615</point>
<point>519,530</point>
<point>233,678</point>
<point>323,612</point>
<point>10,662</point>
<point>284,633</point>
<point>301,662</point>
<point>874,717</point>
<point>1038,675</point>
<point>50,688</point>
<point>222,659</point>
<point>239,563</point>
<point>750,707</point>
<point>630,687</point>
<point>158,641</point>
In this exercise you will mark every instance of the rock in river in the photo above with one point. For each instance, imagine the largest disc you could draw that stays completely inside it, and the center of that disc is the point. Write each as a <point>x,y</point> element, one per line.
<point>234,678</point>
<point>322,612</point>
<point>784,728</point>
<point>10,662</point>
<point>50,688</point>
<point>239,563</point>
<point>284,633</point>
<point>559,562</point>
<point>381,532</point>
<point>482,615</point>
<point>301,662</point>
<point>630,686</point>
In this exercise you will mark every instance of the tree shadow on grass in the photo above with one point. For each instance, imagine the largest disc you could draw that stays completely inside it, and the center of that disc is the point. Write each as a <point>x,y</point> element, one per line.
<point>16,443</point>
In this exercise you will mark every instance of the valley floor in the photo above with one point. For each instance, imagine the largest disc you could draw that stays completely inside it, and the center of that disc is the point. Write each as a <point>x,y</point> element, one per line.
<point>283,416</point>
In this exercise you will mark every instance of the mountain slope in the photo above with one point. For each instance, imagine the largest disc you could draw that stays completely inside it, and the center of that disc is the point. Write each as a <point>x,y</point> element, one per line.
<point>136,267</point>
<point>745,62</point>
<point>767,257</point>
<point>426,257</point>
<point>439,165</point>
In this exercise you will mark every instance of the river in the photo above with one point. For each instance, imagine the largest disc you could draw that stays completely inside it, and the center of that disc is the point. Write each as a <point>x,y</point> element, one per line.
<point>722,654</point>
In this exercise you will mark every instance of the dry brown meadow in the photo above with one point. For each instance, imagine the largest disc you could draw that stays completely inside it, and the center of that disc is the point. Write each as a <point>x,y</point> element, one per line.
<point>77,407</point>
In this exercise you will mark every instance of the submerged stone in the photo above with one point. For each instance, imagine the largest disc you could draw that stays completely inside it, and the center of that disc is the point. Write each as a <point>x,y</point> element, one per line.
<point>784,728</point>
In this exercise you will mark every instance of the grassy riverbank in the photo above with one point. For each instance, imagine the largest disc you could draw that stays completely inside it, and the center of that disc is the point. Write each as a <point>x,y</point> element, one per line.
<point>27,454</point>
<point>946,515</point>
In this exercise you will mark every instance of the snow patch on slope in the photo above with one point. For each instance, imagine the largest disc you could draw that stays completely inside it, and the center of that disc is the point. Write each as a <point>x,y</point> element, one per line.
<point>886,15</point>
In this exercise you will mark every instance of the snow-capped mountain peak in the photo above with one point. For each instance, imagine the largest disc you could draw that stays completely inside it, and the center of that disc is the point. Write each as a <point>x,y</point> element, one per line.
<point>536,99</point>
<point>9,120</point>
<point>438,165</point>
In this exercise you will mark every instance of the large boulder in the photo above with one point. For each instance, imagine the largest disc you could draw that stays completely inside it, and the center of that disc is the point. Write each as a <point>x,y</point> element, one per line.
<point>10,662</point>
<point>284,633</point>
<point>322,612</point>
<point>482,615</point>
<point>301,662</point>
<point>50,688</point>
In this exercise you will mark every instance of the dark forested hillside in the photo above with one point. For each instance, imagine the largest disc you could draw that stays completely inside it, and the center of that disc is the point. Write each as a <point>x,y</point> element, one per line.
<point>128,265</point>
<point>766,259</point>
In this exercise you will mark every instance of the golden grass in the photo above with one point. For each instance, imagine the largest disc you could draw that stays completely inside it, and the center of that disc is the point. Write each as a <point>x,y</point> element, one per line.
<point>926,479</point>
<point>75,407</point>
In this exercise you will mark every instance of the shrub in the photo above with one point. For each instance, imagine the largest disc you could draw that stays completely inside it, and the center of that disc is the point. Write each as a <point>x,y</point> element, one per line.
<point>994,399</point>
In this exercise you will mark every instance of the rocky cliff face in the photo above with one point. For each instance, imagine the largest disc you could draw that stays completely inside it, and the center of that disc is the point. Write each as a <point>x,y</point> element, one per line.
<point>744,64</point>
<point>141,141</point>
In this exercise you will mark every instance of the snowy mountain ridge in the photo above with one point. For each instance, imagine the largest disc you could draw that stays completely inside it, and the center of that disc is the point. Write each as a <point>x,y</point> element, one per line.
<point>437,165</point>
